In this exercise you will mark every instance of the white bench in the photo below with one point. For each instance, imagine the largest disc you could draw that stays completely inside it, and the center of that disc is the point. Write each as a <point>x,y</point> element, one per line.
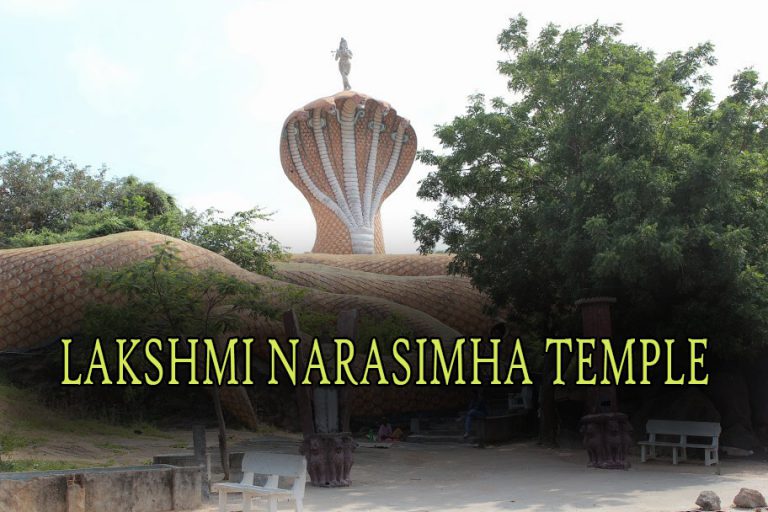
<point>675,434</point>
<point>274,466</point>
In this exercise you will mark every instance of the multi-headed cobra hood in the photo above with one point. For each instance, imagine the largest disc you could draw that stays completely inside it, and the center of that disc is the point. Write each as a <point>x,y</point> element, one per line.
<point>347,153</point>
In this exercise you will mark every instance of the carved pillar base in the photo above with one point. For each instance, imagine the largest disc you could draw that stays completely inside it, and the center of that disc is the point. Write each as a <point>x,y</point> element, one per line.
<point>329,458</point>
<point>607,438</point>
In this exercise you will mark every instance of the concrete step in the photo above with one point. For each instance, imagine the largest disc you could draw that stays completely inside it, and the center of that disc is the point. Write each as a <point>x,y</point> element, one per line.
<point>436,438</point>
<point>442,432</point>
<point>438,430</point>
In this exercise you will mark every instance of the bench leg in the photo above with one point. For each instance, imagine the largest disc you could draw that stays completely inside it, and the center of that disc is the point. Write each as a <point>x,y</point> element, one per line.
<point>298,505</point>
<point>674,455</point>
<point>222,501</point>
<point>684,455</point>
<point>272,507</point>
<point>642,453</point>
<point>247,502</point>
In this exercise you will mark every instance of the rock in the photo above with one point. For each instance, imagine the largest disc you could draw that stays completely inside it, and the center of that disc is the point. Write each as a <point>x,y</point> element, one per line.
<point>732,451</point>
<point>688,405</point>
<point>730,394</point>
<point>749,498</point>
<point>758,394</point>
<point>739,436</point>
<point>708,500</point>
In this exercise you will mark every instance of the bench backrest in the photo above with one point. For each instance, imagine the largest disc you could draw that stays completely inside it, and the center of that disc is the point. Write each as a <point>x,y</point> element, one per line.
<point>688,428</point>
<point>276,465</point>
<point>261,463</point>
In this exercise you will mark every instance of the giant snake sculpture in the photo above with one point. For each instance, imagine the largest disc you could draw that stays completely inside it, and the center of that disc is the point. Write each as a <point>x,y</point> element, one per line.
<point>346,153</point>
<point>44,292</point>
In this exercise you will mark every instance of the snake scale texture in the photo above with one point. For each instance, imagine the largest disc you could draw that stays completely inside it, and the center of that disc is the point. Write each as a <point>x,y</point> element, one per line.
<point>44,292</point>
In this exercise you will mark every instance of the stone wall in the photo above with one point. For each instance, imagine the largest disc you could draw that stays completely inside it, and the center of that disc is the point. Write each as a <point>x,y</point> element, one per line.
<point>157,488</point>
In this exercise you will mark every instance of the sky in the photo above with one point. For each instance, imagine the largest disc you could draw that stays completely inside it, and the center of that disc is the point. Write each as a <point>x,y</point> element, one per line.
<point>192,95</point>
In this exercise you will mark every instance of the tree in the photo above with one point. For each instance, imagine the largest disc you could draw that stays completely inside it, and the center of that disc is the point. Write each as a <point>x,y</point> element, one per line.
<point>234,238</point>
<point>610,172</point>
<point>49,200</point>
<point>42,193</point>
<point>161,296</point>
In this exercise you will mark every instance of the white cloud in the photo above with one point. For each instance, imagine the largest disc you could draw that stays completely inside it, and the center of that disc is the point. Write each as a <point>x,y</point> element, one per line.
<point>106,84</point>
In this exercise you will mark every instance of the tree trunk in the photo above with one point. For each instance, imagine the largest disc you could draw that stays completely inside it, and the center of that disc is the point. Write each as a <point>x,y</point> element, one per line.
<point>201,457</point>
<point>303,393</point>
<point>347,328</point>
<point>548,418</point>
<point>223,452</point>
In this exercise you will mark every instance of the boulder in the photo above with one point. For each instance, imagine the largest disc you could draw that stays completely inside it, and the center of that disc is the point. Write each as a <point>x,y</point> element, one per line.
<point>732,451</point>
<point>708,500</point>
<point>758,394</point>
<point>690,404</point>
<point>749,498</point>
<point>739,436</point>
<point>730,394</point>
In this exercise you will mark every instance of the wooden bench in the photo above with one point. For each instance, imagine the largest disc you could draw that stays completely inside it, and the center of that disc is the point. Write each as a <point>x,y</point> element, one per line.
<point>675,434</point>
<point>274,466</point>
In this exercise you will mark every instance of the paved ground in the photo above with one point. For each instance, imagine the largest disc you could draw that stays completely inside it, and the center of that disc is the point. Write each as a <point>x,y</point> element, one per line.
<point>517,477</point>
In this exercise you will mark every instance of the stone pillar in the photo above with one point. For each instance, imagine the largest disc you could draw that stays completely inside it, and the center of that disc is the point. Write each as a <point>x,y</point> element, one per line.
<point>596,323</point>
<point>329,458</point>
<point>607,432</point>
<point>328,451</point>
<point>607,438</point>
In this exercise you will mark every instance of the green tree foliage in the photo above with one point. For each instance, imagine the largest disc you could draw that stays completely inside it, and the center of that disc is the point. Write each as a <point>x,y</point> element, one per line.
<point>50,195</point>
<point>611,172</point>
<point>48,200</point>
<point>234,238</point>
<point>161,296</point>
<point>43,193</point>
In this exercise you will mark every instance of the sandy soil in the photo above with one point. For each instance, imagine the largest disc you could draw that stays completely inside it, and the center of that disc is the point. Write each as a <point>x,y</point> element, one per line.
<point>44,435</point>
<point>519,477</point>
<point>406,477</point>
<point>121,447</point>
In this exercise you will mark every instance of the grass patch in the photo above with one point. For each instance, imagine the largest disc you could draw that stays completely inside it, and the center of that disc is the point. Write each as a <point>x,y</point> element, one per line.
<point>13,440</point>
<point>61,423</point>
<point>11,392</point>
<point>117,448</point>
<point>21,465</point>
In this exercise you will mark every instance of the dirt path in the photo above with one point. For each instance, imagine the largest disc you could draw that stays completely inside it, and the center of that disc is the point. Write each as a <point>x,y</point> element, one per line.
<point>406,477</point>
<point>519,477</point>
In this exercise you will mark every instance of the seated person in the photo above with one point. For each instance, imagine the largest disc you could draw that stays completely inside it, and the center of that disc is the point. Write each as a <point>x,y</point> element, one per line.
<point>385,431</point>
